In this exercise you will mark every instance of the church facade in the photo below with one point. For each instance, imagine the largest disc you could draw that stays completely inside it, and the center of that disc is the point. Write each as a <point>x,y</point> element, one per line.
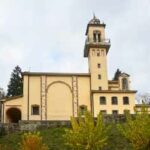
<point>58,96</point>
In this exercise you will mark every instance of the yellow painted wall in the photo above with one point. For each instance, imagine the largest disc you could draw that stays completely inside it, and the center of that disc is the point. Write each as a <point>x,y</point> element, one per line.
<point>25,97</point>
<point>59,97</point>
<point>59,102</point>
<point>113,86</point>
<point>94,60</point>
<point>84,91</point>
<point>109,107</point>
<point>66,79</point>
<point>34,95</point>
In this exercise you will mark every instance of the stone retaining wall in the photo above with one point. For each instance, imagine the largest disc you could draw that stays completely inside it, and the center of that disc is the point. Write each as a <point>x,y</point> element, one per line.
<point>34,125</point>
<point>24,125</point>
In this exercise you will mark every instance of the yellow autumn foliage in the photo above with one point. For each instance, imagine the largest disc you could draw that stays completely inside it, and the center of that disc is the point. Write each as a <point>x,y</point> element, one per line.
<point>32,141</point>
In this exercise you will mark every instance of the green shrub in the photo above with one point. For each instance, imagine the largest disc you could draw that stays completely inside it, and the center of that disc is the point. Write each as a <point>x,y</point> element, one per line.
<point>116,141</point>
<point>32,141</point>
<point>2,131</point>
<point>137,130</point>
<point>86,134</point>
<point>4,147</point>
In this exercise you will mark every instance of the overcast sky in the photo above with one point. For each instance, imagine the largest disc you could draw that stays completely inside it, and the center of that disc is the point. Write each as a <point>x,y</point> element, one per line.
<point>49,36</point>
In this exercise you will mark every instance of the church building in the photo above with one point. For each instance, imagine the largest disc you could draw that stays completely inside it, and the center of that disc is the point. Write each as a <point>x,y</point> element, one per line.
<point>58,96</point>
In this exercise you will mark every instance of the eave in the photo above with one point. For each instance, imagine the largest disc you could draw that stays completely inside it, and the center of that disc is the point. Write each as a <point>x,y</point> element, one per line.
<point>54,74</point>
<point>114,91</point>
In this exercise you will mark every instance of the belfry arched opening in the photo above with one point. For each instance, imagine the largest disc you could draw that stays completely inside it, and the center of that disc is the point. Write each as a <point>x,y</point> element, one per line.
<point>13,115</point>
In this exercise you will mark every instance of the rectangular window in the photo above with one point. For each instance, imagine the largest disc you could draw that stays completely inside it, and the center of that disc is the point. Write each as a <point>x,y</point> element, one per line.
<point>82,109</point>
<point>114,100</point>
<point>93,52</point>
<point>126,100</point>
<point>35,110</point>
<point>99,76</point>
<point>99,65</point>
<point>103,100</point>
<point>98,52</point>
<point>100,88</point>
<point>115,112</point>
<point>104,112</point>
<point>102,52</point>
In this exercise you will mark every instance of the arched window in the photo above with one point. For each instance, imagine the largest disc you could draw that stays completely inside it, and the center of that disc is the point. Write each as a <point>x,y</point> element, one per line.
<point>96,36</point>
<point>114,100</point>
<point>125,84</point>
<point>126,100</point>
<point>102,100</point>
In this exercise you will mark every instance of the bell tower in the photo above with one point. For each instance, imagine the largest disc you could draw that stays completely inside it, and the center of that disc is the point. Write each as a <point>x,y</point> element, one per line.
<point>96,49</point>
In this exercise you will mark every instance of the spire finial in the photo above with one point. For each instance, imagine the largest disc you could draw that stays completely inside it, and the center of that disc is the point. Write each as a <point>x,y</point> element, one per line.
<point>94,15</point>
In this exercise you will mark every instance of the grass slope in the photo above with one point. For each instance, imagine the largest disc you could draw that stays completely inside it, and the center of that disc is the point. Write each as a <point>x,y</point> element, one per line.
<point>53,138</point>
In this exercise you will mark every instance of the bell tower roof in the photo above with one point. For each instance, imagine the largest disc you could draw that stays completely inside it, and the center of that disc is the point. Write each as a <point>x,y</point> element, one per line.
<point>94,22</point>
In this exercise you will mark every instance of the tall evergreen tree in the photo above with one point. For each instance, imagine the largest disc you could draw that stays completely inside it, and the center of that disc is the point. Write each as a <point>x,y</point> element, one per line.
<point>15,86</point>
<point>117,73</point>
<point>2,94</point>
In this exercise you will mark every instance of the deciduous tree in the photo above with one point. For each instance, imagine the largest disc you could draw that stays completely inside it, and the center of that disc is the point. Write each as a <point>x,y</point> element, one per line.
<point>137,130</point>
<point>86,134</point>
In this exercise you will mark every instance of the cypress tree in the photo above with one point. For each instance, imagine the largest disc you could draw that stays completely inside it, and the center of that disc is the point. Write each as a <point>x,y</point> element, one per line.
<point>15,86</point>
<point>116,76</point>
